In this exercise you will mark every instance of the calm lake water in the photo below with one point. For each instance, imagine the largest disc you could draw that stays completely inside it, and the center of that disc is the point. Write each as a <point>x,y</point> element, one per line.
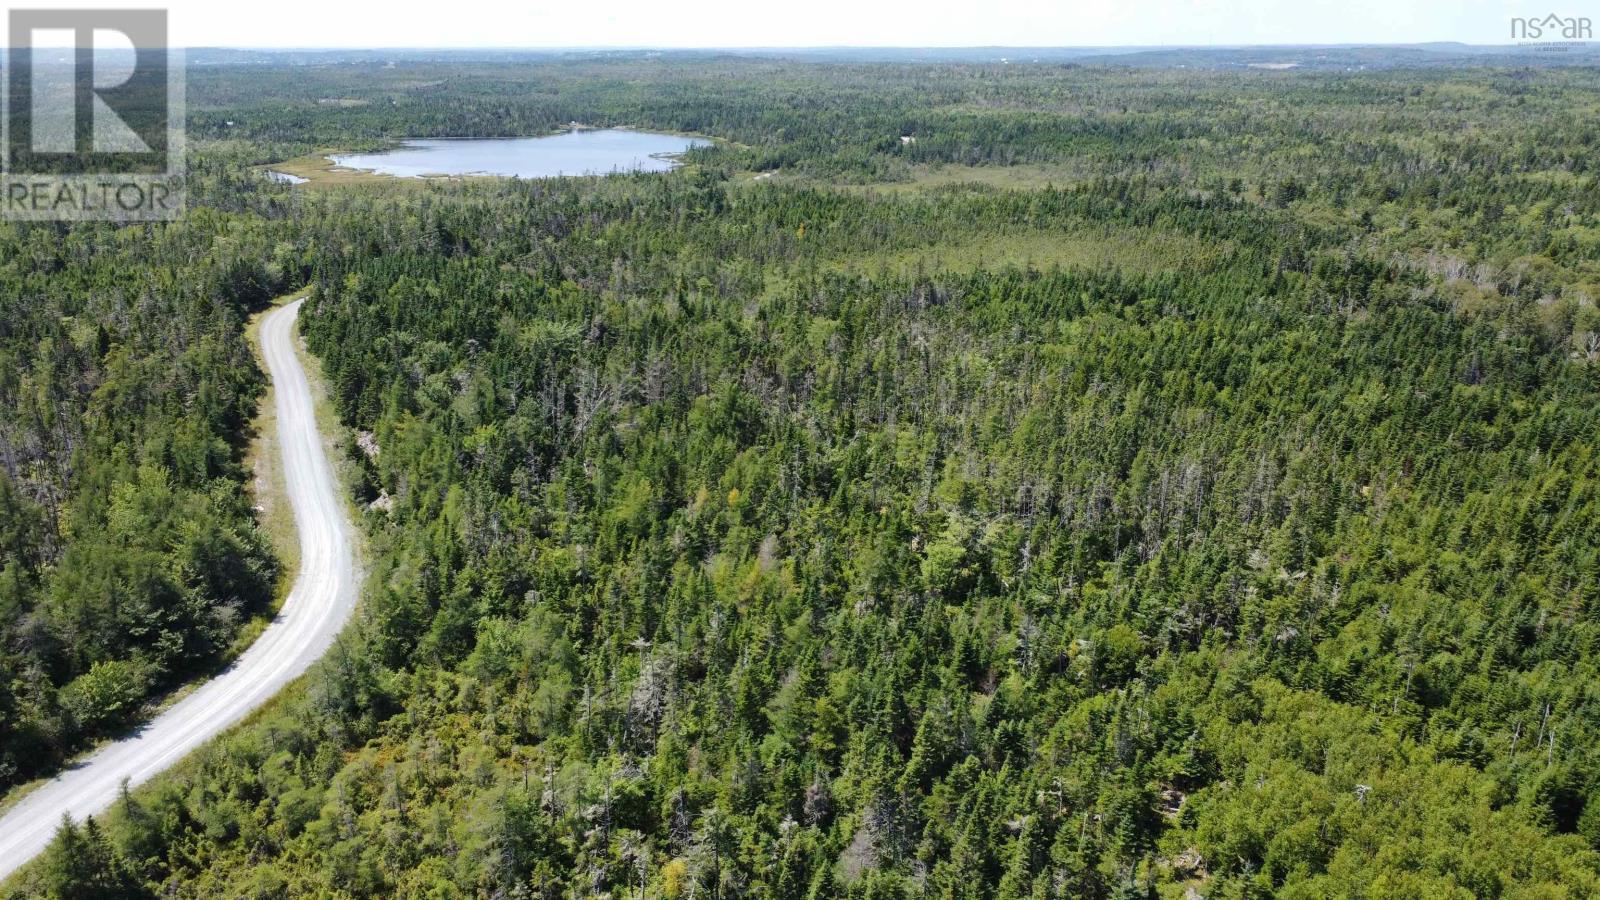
<point>573,153</point>
<point>285,177</point>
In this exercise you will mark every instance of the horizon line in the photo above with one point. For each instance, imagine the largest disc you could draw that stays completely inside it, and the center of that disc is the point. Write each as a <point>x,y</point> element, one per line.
<point>694,47</point>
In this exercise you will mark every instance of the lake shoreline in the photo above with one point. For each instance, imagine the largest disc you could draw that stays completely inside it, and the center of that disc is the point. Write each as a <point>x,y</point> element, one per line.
<point>579,151</point>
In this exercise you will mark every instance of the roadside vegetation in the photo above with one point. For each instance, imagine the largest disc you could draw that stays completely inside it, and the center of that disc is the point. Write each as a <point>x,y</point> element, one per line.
<point>131,558</point>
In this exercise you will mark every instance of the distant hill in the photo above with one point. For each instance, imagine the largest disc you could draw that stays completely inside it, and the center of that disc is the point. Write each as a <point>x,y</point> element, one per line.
<point>1267,57</point>
<point>1308,56</point>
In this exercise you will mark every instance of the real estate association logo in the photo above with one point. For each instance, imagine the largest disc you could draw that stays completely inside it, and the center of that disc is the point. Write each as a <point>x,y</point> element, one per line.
<point>1553,27</point>
<point>92,112</point>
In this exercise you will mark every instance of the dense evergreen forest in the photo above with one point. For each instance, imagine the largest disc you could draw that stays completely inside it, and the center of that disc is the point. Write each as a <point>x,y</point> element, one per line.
<point>1138,483</point>
<point>130,555</point>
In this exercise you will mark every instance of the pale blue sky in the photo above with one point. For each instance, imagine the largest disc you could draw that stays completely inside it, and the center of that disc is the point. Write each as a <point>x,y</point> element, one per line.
<point>768,23</point>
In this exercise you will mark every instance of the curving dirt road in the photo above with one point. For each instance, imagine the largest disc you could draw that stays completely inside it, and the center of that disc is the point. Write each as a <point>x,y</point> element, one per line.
<point>317,608</point>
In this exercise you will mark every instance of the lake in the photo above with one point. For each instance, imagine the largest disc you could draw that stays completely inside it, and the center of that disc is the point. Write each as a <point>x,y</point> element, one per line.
<point>599,152</point>
<point>285,177</point>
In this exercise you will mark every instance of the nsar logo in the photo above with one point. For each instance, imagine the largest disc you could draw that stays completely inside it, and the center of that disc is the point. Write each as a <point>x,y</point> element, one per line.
<point>1552,27</point>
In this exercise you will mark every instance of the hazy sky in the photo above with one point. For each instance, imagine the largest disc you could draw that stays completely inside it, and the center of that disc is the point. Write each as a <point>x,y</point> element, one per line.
<point>767,23</point>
